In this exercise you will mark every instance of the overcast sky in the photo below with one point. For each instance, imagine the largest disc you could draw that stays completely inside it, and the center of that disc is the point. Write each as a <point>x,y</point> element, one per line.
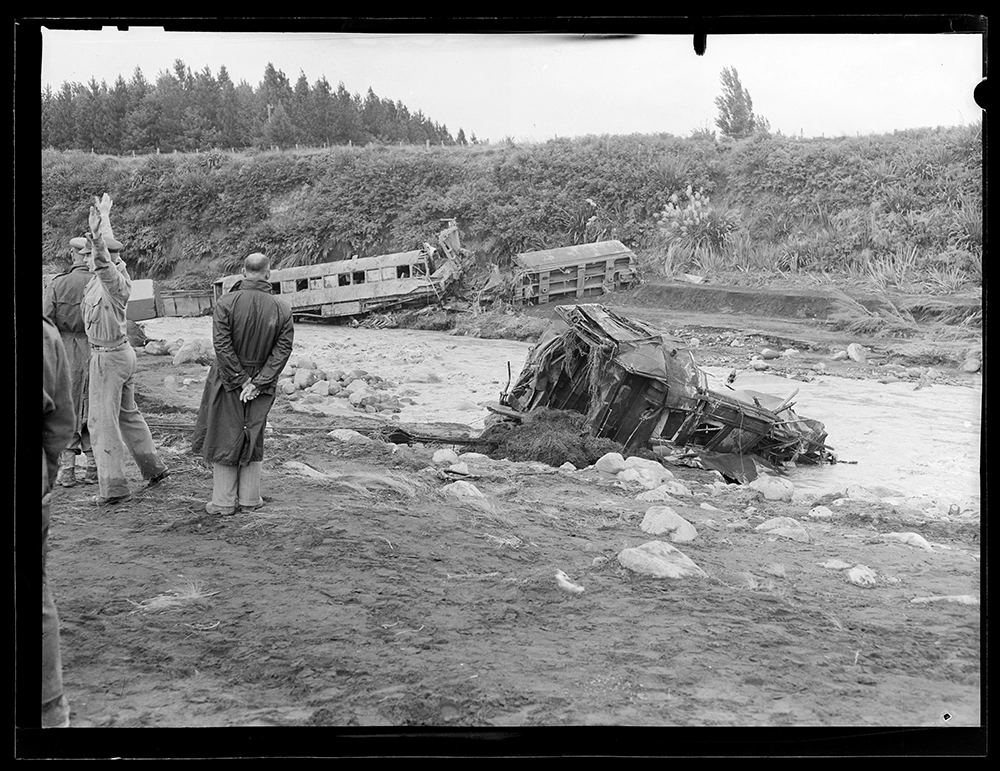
<point>538,86</point>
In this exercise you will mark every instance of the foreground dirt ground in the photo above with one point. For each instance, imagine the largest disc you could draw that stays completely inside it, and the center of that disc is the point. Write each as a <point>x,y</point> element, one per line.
<point>362,595</point>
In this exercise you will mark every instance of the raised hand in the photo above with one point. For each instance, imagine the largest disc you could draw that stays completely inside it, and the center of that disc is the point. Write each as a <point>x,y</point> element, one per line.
<point>94,219</point>
<point>103,204</point>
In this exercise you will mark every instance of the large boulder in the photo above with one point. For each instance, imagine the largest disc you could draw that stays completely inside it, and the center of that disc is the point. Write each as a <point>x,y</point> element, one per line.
<point>660,520</point>
<point>611,463</point>
<point>773,488</point>
<point>304,378</point>
<point>660,560</point>
<point>199,351</point>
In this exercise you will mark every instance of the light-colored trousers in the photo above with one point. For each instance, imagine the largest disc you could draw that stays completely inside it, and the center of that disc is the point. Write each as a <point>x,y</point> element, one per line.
<point>115,422</point>
<point>232,485</point>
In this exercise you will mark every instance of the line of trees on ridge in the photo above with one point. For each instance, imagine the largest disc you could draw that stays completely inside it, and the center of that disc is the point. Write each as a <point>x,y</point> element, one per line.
<point>189,111</point>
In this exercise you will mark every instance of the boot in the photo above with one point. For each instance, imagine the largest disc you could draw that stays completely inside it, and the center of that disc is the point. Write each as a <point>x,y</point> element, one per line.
<point>67,469</point>
<point>90,473</point>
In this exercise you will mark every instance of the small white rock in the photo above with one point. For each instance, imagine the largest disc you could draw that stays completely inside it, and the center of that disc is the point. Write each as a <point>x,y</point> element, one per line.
<point>445,456</point>
<point>861,575</point>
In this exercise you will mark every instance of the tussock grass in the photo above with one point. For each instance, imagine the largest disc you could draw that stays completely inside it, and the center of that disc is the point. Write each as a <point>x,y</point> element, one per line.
<point>547,436</point>
<point>189,593</point>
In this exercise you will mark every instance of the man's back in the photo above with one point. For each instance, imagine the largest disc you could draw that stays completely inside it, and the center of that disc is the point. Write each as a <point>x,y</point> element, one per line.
<point>63,297</point>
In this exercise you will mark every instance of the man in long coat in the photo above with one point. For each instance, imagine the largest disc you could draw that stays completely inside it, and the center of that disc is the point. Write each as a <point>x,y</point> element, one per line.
<point>61,303</point>
<point>252,332</point>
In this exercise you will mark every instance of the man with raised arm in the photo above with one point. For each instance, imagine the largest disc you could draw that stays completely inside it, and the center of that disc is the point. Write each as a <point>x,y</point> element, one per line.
<point>114,419</point>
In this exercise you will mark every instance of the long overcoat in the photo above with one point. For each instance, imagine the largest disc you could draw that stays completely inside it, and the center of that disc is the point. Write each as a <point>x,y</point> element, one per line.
<point>252,333</point>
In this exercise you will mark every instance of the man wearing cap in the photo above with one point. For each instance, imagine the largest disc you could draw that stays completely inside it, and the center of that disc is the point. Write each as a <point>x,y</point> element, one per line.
<point>252,332</point>
<point>113,417</point>
<point>61,303</point>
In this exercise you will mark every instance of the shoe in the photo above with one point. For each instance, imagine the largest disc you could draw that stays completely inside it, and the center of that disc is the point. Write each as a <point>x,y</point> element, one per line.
<point>254,507</point>
<point>211,508</point>
<point>90,477</point>
<point>155,480</point>
<point>113,500</point>
<point>66,477</point>
<point>55,714</point>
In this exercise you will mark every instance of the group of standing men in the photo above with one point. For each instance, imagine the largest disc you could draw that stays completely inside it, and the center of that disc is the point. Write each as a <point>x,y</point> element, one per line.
<point>89,408</point>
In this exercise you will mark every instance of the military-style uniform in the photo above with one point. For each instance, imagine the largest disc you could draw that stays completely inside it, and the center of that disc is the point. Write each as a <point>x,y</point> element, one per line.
<point>113,417</point>
<point>61,303</point>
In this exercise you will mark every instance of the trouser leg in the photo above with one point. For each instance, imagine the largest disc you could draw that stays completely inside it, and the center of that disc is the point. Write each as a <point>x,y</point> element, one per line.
<point>225,480</point>
<point>249,486</point>
<point>52,685</point>
<point>135,431</point>
<point>106,381</point>
<point>67,468</point>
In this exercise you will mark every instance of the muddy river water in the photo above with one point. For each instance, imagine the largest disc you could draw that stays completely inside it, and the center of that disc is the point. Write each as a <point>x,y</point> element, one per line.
<point>913,442</point>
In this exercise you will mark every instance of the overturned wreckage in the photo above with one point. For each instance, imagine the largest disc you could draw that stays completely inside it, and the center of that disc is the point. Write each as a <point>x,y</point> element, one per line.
<point>640,387</point>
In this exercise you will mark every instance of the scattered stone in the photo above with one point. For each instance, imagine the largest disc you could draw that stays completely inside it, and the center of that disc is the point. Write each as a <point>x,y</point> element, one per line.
<point>819,367</point>
<point>304,378</point>
<point>195,351</point>
<point>857,353</point>
<point>914,372</point>
<point>786,527</point>
<point>769,353</point>
<point>660,520</point>
<point>658,494</point>
<point>311,398</point>
<point>773,488</point>
<point>789,352</point>
<point>468,406</point>
<point>911,539</point>
<point>347,435</point>
<point>459,468</point>
<point>819,512</point>
<point>445,456</point>
<point>836,564</point>
<point>157,348</point>
<point>709,507</point>
<point>612,463</point>
<point>673,487</point>
<point>972,364</point>
<point>861,575</point>
<point>660,560</point>
<point>355,385</point>
<point>321,387</point>
<point>859,493</point>
<point>840,355</point>
<point>695,342</point>
<point>567,466</point>
<point>467,456</point>
<point>462,489</point>
<point>759,365</point>
<point>961,599</point>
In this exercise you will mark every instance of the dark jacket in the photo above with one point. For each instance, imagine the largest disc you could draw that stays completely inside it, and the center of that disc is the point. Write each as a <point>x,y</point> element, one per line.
<point>58,410</point>
<point>62,297</point>
<point>252,332</point>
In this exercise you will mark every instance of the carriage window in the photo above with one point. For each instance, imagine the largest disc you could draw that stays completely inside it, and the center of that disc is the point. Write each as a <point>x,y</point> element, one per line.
<point>301,284</point>
<point>330,281</point>
<point>316,282</point>
<point>402,271</point>
<point>344,279</point>
<point>287,287</point>
<point>276,287</point>
<point>359,277</point>
<point>388,274</point>
<point>374,275</point>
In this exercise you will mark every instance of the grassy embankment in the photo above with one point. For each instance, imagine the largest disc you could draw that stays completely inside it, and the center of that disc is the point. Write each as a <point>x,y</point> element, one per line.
<point>898,213</point>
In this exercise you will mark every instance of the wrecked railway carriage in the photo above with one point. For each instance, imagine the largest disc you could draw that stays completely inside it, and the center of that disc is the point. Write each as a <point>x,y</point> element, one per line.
<point>640,387</point>
<point>362,285</point>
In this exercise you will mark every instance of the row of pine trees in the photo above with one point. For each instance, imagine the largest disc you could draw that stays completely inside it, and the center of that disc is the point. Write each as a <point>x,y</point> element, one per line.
<point>187,111</point>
